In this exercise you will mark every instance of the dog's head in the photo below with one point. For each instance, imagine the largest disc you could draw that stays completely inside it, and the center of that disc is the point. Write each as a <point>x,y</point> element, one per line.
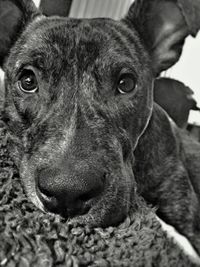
<point>78,98</point>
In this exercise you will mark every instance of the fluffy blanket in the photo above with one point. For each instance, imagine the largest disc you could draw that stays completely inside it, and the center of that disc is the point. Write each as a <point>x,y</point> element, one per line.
<point>29,237</point>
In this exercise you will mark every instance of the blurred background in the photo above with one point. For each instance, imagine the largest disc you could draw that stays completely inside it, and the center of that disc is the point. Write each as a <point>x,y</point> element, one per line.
<point>187,70</point>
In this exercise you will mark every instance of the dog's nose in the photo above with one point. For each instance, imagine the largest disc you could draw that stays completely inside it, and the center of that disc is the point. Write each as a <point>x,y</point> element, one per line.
<point>69,195</point>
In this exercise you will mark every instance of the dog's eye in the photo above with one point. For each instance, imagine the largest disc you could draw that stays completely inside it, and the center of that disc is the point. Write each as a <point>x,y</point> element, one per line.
<point>28,82</point>
<point>126,83</point>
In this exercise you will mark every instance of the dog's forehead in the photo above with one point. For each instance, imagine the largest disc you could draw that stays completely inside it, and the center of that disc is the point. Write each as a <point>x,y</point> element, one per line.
<point>68,40</point>
<point>69,30</point>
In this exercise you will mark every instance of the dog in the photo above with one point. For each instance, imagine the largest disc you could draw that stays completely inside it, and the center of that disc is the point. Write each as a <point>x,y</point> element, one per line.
<point>84,130</point>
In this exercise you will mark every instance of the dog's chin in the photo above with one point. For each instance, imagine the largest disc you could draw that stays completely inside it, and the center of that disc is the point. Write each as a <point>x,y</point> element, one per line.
<point>97,218</point>
<point>94,219</point>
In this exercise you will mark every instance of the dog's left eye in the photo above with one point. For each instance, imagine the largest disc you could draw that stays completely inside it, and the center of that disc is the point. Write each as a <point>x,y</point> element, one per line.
<point>28,82</point>
<point>126,83</point>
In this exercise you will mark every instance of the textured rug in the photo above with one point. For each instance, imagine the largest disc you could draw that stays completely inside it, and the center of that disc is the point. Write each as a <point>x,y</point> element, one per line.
<point>29,237</point>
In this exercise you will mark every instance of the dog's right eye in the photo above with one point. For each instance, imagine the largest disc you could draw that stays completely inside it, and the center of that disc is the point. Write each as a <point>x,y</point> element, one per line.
<point>126,83</point>
<point>28,82</point>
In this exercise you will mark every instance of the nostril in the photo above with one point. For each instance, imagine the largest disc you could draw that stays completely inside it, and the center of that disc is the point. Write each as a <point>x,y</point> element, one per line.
<point>103,179</point>
<point>45,192</point>
<point>84,197</point>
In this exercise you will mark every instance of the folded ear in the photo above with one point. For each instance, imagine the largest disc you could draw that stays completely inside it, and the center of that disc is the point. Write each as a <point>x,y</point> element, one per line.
<point>162,28</point>
<point>14,16</point>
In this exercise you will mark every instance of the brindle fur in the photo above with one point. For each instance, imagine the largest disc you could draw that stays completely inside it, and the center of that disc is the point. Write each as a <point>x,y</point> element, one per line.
<point>78,135</point>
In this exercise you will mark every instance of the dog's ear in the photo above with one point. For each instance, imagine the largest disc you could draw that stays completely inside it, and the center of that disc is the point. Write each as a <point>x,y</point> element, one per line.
<point>14,16</point>
<point>162,28</point>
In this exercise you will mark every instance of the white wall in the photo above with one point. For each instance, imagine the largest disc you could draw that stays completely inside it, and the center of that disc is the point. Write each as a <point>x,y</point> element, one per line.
<point>37,2</point>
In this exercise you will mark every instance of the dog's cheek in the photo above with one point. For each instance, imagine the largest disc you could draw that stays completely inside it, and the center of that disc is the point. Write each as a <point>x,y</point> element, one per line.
<point>18,108</point>
<point>125,187</point>
<point>122,199</point>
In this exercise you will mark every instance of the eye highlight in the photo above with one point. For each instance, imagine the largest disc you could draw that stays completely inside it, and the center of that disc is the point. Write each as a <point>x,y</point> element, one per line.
<point>27,82</point>
<point>126,83</point>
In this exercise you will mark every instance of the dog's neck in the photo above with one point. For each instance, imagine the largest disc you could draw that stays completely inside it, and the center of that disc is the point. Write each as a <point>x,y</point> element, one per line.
<point>156,146</point>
